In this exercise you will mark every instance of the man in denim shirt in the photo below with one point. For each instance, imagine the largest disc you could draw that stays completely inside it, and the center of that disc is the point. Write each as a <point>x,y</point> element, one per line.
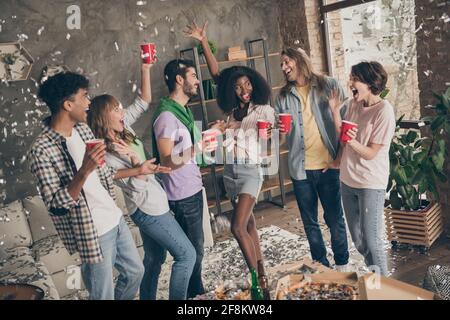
<point>313,146</point>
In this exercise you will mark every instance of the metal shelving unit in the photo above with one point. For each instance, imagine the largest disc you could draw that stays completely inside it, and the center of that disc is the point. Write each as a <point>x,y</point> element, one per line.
<point>269,184</point>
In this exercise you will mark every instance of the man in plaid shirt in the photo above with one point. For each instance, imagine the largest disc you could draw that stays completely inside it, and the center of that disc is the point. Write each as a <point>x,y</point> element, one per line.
<point>78,191</point>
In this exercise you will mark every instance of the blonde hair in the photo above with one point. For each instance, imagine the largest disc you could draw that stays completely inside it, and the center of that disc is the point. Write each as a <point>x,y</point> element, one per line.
<point>305,68</point>
<point>98,120</point>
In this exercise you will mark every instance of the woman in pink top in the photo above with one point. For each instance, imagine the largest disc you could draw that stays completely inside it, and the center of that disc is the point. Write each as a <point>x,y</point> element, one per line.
<point>364,160</point>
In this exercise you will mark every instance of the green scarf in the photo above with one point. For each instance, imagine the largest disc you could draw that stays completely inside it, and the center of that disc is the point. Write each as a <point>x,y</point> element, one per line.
<point>186,117</point>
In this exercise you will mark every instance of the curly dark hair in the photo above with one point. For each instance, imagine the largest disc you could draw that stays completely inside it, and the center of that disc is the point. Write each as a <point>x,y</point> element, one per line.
<point>59,88</point>
<point>371,73</point>
<point>226,97</point>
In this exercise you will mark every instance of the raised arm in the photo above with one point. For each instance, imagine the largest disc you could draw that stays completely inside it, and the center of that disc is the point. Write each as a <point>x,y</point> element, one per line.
<point>146,87</point>
<point>336,105</point>
<point>198,33</point>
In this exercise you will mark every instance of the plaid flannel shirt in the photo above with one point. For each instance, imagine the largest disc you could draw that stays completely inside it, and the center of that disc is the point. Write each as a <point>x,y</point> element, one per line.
<point>54,168</point>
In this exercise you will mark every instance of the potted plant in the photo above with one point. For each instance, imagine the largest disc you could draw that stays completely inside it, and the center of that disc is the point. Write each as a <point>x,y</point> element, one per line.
<point>9,59</point>
<point>417,166</point>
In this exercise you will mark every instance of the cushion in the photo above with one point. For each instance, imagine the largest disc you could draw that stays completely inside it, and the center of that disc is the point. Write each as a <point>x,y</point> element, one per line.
<point>14,229</point>
<point>41,224</point>
<point>68,282</point>
<point>54,255</point>
<point>20,267</point>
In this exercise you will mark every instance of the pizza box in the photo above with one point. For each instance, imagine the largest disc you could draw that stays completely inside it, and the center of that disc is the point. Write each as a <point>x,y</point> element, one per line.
<point>377,287</point>
<point>299,267</point>
<point>349,278</point>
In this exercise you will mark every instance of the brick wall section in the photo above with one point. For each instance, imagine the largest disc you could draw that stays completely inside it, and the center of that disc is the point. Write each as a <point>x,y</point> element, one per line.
<point>300,27</point>
<point>337,46</point>
<point>293,26</point>
<point>317,50</point>
<point>434,69</point>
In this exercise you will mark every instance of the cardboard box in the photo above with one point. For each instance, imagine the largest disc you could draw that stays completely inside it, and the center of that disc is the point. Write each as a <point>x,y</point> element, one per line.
<point>234,49</point>
<point>237,55</point>
<point>299,266</point>
<point>376,287</point>
<point>349,278</point>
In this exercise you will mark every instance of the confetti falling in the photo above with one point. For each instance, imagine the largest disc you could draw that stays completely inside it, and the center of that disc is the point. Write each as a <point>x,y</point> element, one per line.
<point>41,29</point>
<point>116,45</point>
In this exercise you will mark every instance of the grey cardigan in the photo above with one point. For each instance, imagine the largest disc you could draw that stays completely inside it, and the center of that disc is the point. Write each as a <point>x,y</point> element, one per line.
<point>147,195</point>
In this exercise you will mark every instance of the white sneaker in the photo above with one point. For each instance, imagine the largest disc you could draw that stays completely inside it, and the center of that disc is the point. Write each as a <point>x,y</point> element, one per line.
<point>343,268</point>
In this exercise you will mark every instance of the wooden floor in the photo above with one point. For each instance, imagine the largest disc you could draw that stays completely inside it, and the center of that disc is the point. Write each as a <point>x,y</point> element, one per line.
<point>408,263</point>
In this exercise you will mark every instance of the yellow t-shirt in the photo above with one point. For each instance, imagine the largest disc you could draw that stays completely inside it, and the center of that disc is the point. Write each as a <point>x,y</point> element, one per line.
<point>316,153</point>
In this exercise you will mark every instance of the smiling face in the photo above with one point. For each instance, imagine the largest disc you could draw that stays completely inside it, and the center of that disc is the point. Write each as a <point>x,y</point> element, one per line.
<point>243,89</point>
<point>190,83</point>
<point>78,105</point>
<point>360,90</point>
<point>292,71</point>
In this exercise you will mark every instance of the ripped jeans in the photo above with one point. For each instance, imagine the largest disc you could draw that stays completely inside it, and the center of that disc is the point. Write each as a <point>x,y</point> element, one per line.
<point>364,211</point>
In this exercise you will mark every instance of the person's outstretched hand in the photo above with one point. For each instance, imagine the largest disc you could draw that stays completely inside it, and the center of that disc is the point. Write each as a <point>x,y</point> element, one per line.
<point>194,31</point>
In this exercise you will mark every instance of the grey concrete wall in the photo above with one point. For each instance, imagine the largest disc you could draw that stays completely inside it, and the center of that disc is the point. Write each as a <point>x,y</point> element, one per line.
<point>111,69</point>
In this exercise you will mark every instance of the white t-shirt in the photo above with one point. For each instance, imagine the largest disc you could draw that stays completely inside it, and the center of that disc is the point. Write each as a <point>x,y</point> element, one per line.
<point>105,213</point>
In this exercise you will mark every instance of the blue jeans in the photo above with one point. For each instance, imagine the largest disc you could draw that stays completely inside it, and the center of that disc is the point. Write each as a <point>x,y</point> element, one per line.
<point>162,233</point>
<point>189,214</point>
<point>323,186</point>
<point>364,210</point>
<point>119,250</point>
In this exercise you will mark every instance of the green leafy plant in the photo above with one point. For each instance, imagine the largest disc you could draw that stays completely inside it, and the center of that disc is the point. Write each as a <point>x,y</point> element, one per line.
<point>417,163</point>
<point>9,58</point>
<point>212,46</point>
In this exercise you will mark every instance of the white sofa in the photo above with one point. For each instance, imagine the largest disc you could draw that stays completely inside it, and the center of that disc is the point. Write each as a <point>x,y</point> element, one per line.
<point>31,251</point>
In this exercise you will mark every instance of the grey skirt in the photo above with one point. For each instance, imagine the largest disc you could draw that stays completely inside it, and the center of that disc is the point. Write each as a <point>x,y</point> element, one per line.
<point>242,178</point>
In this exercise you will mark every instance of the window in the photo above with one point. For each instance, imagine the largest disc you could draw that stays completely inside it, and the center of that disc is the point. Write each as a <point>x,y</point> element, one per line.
<point>381,30</point>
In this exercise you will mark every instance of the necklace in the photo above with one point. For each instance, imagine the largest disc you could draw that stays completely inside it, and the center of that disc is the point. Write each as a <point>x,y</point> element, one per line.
<point>371,105</point>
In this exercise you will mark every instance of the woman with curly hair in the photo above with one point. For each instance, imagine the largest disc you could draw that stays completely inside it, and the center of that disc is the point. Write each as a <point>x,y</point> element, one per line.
<point>243,94</point>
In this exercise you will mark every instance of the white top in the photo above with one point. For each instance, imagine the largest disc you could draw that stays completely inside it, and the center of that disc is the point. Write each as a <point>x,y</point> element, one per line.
<point>245,133</point>
<point>105,213</point>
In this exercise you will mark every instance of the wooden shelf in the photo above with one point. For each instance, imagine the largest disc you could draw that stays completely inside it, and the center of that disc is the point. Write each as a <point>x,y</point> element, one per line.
<point>212,202</point>
<point>207,170</point>
<point>273,184</point>
<point>242,60</point>
<point>268,185</point>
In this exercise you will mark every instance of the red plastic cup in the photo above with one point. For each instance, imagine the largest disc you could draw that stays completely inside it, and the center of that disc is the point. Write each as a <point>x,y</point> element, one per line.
<point>263,125</point>
<point>148,53</point>
<point>92,143</point>
<point>210,135</point>
<point>286,120</point>
<point>346,125</point>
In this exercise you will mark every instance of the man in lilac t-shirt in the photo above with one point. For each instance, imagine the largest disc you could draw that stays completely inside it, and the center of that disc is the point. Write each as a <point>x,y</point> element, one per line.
<point>173,140</point>
<point>186,180</point>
